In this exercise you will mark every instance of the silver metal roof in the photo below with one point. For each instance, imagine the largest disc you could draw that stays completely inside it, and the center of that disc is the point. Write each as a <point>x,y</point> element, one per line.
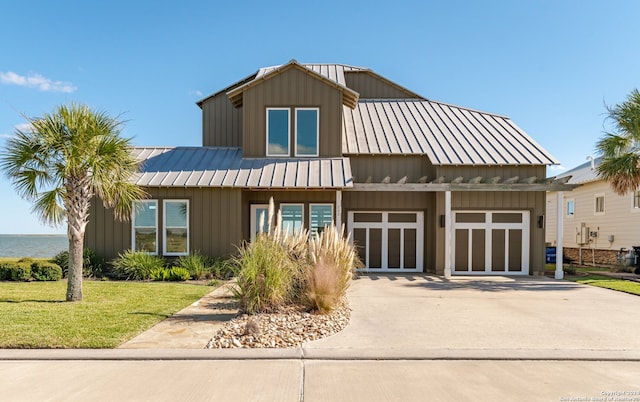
<point>334,72</point>
<point>225,167</point>
<point>446,134</point>
<point>582,173</point>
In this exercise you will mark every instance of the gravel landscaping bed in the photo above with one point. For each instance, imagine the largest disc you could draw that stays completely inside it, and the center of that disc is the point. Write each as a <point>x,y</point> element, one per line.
<point>287,327</point>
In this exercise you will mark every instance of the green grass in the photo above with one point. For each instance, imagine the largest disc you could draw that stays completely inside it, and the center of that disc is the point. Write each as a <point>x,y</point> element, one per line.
<point>608,283</point>
<point>34,314</point>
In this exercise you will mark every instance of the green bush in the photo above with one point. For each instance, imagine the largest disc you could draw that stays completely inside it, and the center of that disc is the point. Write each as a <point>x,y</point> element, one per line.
<point>46,271</point>
<point>179,274</point>
<point>222,268</point>
<point>159,274</point>
<point>198,265</point>
<point>136,265</point>
<point>5,272</point>
<point>18,271</point>
<point>93,266</point>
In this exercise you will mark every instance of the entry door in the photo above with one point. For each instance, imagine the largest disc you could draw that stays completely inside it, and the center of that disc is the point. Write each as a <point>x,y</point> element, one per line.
<point>388,241</point>
<point>490,242</point>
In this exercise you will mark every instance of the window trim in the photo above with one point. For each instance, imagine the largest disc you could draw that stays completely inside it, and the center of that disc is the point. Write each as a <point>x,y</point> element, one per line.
<point>288,109</point>
<point>333,216</point>
<point>566,212</point>
<point>295,137</point>
<point>133,225</point>
<point>595,204</point>
<point>165,227</point>
<point>302,227</point>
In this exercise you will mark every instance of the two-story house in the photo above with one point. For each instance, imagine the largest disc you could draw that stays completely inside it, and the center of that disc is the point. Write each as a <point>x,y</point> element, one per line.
<point>421,186</point>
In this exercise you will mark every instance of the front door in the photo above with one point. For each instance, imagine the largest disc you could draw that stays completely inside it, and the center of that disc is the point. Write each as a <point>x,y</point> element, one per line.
<point>490,242</point>
<point>388,241</point>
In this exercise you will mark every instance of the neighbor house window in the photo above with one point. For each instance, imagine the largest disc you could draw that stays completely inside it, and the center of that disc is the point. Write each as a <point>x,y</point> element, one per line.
<point>321,216</point>
<point>571,208</point>
<point>278,131</point>
<point>145,226</point>
<point>636,200</point>
<point>176,227</point>
<point>599,202</point>
<point>307,130</point>
<point>292,217</point>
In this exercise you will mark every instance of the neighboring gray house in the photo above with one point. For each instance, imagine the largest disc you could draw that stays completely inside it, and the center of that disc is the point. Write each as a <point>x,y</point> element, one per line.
<point>422,186</point>
<point>597,221</point>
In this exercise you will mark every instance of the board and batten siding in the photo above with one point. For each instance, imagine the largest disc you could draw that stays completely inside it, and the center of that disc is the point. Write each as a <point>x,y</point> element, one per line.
<point>370,86</point>
<point>214,222</point>
<point>487,172</point>
<point>395,166</point>
<point>398,201</point>
<point>532,201</point>
<point>221,123</point>
<point>619,220</point>
<point>292,88</point>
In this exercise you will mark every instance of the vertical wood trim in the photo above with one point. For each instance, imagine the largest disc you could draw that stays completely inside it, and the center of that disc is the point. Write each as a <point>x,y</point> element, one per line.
<point>447,234</point>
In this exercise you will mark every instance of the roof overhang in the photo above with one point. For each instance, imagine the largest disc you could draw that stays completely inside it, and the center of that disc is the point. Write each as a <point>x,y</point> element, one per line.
<point>349,96</point>
<point>435,187</point>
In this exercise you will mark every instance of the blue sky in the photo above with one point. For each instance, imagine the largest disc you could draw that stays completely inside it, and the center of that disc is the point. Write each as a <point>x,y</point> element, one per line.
<point>549,65</point>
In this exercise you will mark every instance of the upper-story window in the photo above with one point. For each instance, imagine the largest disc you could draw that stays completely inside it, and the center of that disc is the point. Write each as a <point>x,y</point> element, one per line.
<point>305,135</point>
<point>599,203</point>
<point>636,201</point>
<point>571,208</point>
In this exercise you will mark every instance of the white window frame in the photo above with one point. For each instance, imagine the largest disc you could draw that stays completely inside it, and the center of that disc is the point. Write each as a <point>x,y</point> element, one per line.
<point>566,212</point>
<point>293,204</point>
<point>317,131</point>
<point>253,220</point>
<point>288,110</point>
<point>165,227</point>
<point>635,208</point>
<point>133,224</point>
<point>333,216</point>
<point>595,204</point>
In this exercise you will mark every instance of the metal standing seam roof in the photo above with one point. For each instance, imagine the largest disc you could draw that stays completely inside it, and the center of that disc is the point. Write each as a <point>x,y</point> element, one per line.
<point>334,72</point>
<point>446,134</point>
<point>225,167</point>
<point>583,173</point>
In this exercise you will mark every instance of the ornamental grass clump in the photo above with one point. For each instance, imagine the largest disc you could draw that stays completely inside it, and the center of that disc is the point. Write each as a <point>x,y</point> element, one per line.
<point>332,264</point>
<point>132,265</point>
<point>198,265</point>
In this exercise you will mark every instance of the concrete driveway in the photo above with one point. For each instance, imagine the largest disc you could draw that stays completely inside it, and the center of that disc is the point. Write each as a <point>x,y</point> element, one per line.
<point>422,316</point>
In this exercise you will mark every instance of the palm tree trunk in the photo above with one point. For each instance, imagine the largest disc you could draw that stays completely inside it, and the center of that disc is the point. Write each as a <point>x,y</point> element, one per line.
<point>74,276</point>
<point>77,206</point>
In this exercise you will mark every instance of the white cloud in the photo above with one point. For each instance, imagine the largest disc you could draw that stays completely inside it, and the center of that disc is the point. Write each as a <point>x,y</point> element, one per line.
<point>196,93</point>
<point>36,81</point>
<point>24,127</point>
<point>557,168</point>
<point>2,135</point>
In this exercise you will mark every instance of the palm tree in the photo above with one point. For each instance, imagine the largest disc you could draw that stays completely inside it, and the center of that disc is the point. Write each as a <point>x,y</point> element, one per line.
<point>620,162</point>
<point>62,162</point>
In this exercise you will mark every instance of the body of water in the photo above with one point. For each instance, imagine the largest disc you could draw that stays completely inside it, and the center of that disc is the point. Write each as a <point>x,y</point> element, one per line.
<point>37,246</point>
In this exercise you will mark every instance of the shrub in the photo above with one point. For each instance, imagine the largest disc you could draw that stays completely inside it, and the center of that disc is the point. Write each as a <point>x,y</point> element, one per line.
<point>222,268</point>
<point>93,266</point>
<point>19,271</point>
<point>5,272</point>
<point>159,274</point>
<point>46,271</point>
<point>265,275</point>
<point>198,265</point>
<point>333,261</point>
<point>136,265</point>
<point>179,274</point>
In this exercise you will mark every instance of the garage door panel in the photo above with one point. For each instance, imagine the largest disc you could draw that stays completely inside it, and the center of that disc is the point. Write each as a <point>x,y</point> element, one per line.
<point>497,250</point>
<point>360,241</point>
<point>462,250</point>
<point>478,252</point>
<point>394,248</point>
<point>515,250</point>
<point>410,248</point>
<point>375,248</point>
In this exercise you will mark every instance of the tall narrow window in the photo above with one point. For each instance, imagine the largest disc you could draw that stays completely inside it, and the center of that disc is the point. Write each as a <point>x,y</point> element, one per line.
<point>599,201</point>
<point>321,216</point>
<point>292,217</point>
<point>145,226</point>
<point>259,219</point>
<point>571,208</point>
<point>636,200</point>
<point>176,227</point>
<point>278,132</point>
<point>307,131</point>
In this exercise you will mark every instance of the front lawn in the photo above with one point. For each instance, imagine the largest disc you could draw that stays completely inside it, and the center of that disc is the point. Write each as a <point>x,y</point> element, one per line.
<point>35,315</point>
<point>608,283</point>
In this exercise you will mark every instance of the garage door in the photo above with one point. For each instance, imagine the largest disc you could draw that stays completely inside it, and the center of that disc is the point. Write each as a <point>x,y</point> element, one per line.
<point>490,242</point>
<point>388,241</point>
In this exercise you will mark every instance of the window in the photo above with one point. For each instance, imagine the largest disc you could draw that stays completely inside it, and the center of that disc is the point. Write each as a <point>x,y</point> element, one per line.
<point>636,200</point>
<point>278,132</point>
<point>599,198</point>
<point>307,132</point>
<point>259,217</point>
<point>321,216</point>
<point>292,217</point>
<point>145,226</point>
<point>176,227</point>
<point>571,208</point>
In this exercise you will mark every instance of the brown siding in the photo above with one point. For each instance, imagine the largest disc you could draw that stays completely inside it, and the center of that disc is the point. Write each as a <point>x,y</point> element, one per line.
<point>378,167</point>
<point>521,200</point>
<point>221,123</point>
<point>390,201</point>
<point>505,172</point>
<point>372,87</point>
<point>292,88</point>
<point>214,222</point>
